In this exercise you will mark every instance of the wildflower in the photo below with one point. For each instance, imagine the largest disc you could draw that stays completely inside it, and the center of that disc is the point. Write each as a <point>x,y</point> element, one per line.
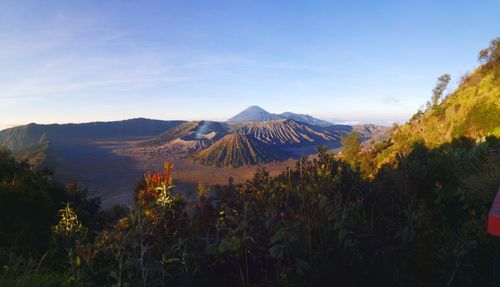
<point>150,215</point>
<point>202,190</point>
<point>480,140</point>
<point>164,199</point>
<point>122,223</point>
<point>168,173</point>
<point>69,223</point>
<point>157,186</point>
<point>105,235</point>
<point>102,240</point>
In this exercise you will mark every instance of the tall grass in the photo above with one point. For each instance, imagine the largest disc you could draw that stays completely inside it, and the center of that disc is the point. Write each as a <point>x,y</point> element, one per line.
<point>22,271</point>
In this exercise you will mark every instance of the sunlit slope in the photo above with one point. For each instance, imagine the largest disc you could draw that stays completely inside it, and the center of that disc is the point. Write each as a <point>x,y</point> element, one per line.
<point>472,111</point>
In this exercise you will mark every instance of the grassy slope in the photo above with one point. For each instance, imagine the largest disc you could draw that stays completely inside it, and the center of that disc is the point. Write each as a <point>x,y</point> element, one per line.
<point>472,111</point>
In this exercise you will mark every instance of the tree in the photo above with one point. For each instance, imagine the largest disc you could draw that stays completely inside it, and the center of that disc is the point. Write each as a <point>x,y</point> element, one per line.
<point>492,53</point>
<point>351,147</point>
<point>437,92</point>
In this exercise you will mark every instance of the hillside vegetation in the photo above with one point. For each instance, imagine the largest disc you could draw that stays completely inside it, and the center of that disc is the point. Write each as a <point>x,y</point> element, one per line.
<point>471,111</point>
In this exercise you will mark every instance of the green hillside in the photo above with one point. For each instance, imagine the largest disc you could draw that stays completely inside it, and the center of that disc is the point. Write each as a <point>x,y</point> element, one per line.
<point>471,111</point>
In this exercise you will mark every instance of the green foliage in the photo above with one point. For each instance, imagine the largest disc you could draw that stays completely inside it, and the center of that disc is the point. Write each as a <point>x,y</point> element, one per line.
<point>440,199</point>
<point>19,271</point>
<point>29,204</point>
<point>482,117</point>
<point>437,92</point>
<point>492,53</point>
<point>351,147</point>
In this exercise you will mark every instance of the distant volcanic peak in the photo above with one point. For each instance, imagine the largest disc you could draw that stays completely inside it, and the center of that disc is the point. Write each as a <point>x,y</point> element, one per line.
<point>256,109</point>
<point>257,114</point>
<point>254,113</point>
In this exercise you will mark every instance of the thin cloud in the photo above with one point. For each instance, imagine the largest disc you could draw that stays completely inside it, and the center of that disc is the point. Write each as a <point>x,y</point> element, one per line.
<point>390,100</point>
<point>59,60</point>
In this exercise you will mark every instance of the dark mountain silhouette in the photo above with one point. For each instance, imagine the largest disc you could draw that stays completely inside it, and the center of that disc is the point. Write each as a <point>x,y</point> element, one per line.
<point>35,141</point>
<point>21,137</point>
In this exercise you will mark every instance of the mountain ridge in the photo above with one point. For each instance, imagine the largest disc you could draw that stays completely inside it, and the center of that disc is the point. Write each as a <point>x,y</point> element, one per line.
<point>258,114</point>
<point>185,137</point>
<point>35,141</point>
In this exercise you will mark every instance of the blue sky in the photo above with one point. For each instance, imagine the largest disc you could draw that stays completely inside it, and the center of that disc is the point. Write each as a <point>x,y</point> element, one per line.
<point>362,61</point>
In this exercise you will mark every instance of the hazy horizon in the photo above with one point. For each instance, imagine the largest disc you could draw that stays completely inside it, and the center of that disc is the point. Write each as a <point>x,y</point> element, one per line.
<point>332,120</point>
<point>370,62</point>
